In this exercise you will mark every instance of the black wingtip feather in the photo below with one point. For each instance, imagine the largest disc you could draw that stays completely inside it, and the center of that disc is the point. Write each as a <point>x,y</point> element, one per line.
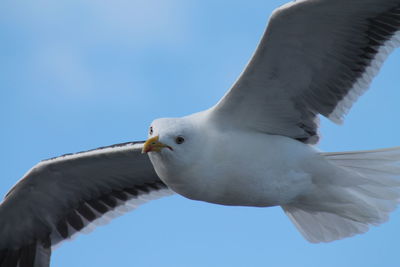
<point>28,254</point>
<point>119,195</point>
<point>86,212</point>
<point>143,188</point>
<point>3,254</point>
<point>109,201</point>
<point>132,191</point>
<point>62,228</point>
<point>75,220</point>
<point>11,258</point>
<point>98,206</point>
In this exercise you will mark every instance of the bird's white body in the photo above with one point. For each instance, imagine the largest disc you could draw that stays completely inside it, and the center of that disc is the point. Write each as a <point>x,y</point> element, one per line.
<point>243,168</point>
<point>327,195</point>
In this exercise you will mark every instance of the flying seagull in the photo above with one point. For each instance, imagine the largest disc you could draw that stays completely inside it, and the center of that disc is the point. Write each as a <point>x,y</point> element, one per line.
<point>255,147</point>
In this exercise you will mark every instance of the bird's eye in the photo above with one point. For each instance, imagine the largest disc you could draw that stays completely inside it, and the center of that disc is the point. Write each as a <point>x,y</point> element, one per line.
<point>179,140</point>
<point>151,130</point>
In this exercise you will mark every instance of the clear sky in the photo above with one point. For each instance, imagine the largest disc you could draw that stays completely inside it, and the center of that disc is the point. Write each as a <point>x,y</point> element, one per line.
<point>76,75</point>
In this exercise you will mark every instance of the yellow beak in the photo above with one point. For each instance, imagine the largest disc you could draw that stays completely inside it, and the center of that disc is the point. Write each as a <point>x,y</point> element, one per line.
<point>152,144</point>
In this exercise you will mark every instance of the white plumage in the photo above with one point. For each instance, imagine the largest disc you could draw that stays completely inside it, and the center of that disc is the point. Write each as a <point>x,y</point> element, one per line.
<point>328,196</point>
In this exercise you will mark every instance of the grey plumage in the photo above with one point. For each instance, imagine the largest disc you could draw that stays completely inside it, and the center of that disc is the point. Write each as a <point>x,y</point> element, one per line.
<point>62,196</point>
<point>316,57</point>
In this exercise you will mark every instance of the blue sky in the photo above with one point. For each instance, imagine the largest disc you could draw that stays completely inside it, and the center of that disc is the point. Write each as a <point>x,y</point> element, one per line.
<point>76,75</point>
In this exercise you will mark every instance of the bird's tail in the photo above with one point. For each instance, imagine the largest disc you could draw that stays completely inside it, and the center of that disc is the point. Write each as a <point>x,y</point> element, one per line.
<point>361,191</point>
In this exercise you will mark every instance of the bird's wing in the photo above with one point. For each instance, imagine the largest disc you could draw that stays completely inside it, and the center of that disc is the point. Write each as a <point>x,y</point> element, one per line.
<point>316,57</point>
<point>63,196</point>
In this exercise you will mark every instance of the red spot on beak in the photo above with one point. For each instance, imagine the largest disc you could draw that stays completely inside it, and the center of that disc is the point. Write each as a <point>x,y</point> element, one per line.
<point>147,149</point>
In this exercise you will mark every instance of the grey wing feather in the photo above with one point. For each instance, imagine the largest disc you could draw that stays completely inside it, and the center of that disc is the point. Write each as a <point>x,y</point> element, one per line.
<point>63,196</point>
<point>316,57</point>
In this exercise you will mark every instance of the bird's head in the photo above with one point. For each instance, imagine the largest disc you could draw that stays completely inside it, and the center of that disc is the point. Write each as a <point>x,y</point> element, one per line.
<point>177,148</point>
<point>170,138</point>
<point>173,144</point>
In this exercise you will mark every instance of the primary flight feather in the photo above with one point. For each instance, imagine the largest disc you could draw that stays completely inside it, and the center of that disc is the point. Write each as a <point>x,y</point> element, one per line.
<point>253,148</point>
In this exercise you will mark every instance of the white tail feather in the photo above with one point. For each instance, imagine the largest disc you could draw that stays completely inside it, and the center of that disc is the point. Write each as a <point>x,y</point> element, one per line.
<point>339,209</point>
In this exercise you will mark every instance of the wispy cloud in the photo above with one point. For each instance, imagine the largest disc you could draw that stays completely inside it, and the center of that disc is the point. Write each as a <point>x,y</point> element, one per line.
<point>69,44</point>
<point>134,20</point>
<point>59,68</point>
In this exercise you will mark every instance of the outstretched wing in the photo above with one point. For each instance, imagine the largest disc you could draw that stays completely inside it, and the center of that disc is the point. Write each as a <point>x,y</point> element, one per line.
<point>63,196</point>
<point>316,57</point>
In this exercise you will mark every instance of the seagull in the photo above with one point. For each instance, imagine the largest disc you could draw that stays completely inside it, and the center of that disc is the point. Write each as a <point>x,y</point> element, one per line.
<point>255,147</point>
